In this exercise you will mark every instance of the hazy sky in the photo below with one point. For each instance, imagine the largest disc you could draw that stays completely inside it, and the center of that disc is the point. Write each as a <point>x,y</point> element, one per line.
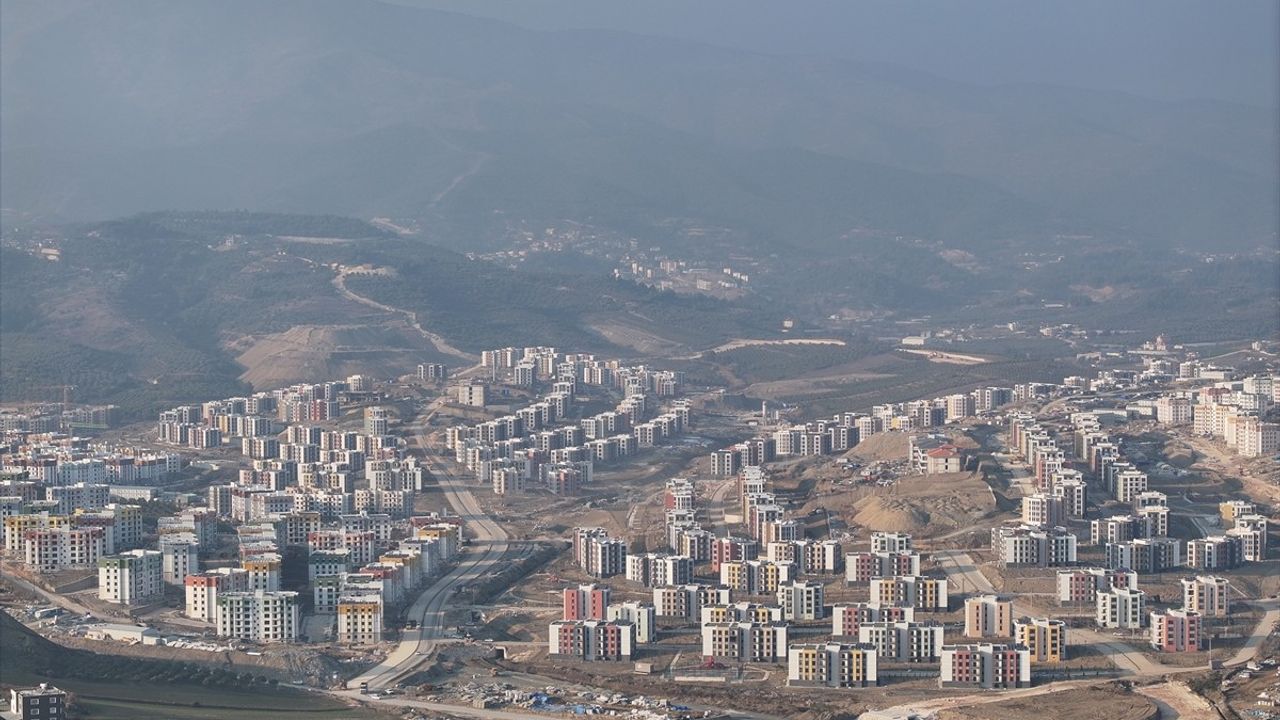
<point>1165,49</point>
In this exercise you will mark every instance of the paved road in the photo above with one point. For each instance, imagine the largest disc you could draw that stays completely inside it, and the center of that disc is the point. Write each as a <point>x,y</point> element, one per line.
<point>963,575</point>
<point>1270,617</point>
<point>485,555</point>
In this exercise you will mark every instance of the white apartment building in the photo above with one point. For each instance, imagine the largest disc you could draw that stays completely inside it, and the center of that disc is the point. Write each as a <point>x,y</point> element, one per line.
<point>259,616</point>
<point>131,578</point>
<point>1121,608</point>
<point>802,600</point>
<point>1209,595</point>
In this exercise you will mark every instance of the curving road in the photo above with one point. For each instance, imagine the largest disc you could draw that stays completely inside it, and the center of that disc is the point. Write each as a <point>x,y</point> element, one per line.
<point>485,554</point>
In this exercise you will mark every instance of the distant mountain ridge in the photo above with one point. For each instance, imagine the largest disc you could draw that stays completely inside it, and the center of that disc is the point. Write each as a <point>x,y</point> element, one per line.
<point>360,108</point>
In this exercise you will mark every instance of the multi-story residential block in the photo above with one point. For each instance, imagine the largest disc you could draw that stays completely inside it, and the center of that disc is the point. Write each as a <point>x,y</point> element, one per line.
<point>745,641</point>
<point>1252,531</point>
<point>1044,638</point>
<point>131,578</point>
<point>838,665</point>
<point>359,618</point>
<point>586,602</point>
<point>1208,595</point>
<point>1157,519</point>
<point>1216,552</point>
<point>846,619</point>
<point>1074,493</point>
<point>1176,631</point>
<point>1173,410</point>
<point>657,569</point>
<point>732,548</point>
<point>1129,484</point>
<point>741,612</point>
<point>598,554</point>
<point>821,557</point>
<point>49,549</point>
<point>756,577</point>
<point>180,557</point>
<point>642,616</point>
<point>259,616</point>
<point>988,616</point>
<point>1118,529</point>
<point>1043,510</point>
<point>44,702</point>
<point>591,640</point>
<point>890,542</point>
<point>922,593</point>
<point>1121,608</point>
<point>1025,546</point>
<point>801,600</point>
<point>687,601</point>
<point>864,566</point>
<point>1145,555</point>
<point>985,666</point>
<point>903,641</point>
<point>202,591</point>
<point>1232,509</point>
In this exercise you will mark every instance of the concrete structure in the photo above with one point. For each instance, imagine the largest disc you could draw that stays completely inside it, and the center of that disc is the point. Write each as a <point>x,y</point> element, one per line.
<point>988,616</point>
<point>585,602</point>
<point>1044,638</point>
<point>259,616</point>
<point>802,600</point>
<point>1121,608</point>
<point>985,666</point>
<point>903,641</point>
<point>45,702</point>
<point>642,616</point>
<point>591,640</point>
<point>1208,595</point>
<point>131,578</point>
<point>1176,631</point>
<point>922,593</point>
<point>837,665</point>
<point>745,641</point>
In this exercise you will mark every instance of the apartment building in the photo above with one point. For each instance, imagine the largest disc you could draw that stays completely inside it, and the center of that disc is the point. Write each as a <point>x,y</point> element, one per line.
<point>180,557</point>
<point>1044,638</point>
<point>1207,595</point>
<point>756,577</point>
<point>591,640</point>
<point>1026,546</point>
<point>1123,608</point>
<point>837,665</point>
<point>741,612</point>
<point>359,617</point>
<point>1043,510</point>
<point>922,593</point>
<point>846,619</point>
<point>801,600</point>
<point>745,641</point>
<point>988,616</point>
<point>202,591</point>
<point>1176,631</point>
<point>890,542</point>
<point>985,666</point>
<point>865,566</point>
<point>1216,552</point>
<point>641,616</point>
<point>686,601</point>
<point>586,602</point>
<point>1145,555</point>
<point>259,616</point>
<point>131,578</point>
<point>50,549</point>
<point>903,641</point>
